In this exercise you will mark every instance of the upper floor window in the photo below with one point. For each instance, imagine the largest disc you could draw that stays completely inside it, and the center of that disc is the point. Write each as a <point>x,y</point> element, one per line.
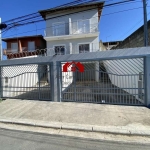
<point>84,48</point>
<point>81,26</point>
<point>31,46</point>
<point>14,46</point>
<point>58,28</point>
<point>59,50</point>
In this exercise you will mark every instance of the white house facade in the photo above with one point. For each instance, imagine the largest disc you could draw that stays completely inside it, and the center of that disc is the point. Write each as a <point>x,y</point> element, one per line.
<point>72,29</point>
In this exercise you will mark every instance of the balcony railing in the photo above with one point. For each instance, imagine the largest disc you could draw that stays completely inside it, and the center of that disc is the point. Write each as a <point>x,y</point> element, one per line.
<point>15,53</point>
<point>12,51</point>
<point>80,27</point>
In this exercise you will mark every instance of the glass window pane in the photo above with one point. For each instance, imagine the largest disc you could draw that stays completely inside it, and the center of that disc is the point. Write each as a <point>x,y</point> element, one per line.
<point>83,26</point>
<point>31,46</point>
<point>58,29</point>
<point>60,50</point>
<point>83,48</point>
<point>14,46</point>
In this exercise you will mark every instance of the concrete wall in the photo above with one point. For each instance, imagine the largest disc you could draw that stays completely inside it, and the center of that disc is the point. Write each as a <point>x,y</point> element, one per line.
<point>101,46</point>
<point>136,39</point>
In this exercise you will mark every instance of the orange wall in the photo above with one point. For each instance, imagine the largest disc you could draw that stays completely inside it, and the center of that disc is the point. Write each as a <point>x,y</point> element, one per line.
<point>39,42</point>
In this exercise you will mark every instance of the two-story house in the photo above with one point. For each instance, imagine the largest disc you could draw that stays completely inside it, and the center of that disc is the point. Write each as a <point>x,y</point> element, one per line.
<point>72,29</point>
<point>24,46</point>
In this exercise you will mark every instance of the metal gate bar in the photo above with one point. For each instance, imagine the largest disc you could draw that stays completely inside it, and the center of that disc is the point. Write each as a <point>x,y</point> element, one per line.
<point>30,81</point>
<point>110,81</point>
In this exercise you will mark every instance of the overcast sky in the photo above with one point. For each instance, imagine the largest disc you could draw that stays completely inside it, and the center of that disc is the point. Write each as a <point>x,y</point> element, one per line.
<point>115,22</point>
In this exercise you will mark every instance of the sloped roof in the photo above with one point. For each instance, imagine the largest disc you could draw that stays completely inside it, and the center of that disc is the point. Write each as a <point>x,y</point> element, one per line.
<point>21,37</point>
<point>63,8</point>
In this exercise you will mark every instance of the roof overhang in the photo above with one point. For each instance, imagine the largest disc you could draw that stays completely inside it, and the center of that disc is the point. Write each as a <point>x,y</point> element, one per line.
<point>94,5</point>
<point>22,37</point>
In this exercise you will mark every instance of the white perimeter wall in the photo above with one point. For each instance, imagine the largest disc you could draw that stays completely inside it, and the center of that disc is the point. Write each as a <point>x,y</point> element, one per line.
<point>20,76</point>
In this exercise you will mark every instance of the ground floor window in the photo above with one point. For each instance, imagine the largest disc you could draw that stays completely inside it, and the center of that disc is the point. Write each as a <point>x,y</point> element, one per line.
<point>59,50</point>
<point>84,48</point>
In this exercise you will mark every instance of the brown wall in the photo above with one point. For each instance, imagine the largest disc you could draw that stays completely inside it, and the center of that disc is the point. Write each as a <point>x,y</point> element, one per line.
<point>40,43</point>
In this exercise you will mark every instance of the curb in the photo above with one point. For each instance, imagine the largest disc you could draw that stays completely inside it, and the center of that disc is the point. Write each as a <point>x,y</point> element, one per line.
<point>78,127</point>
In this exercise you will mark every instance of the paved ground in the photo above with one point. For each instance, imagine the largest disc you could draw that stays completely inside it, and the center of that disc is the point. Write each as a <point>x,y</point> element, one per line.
<point>80,113</point>
<point>16,140</point>
<point>78,119</point>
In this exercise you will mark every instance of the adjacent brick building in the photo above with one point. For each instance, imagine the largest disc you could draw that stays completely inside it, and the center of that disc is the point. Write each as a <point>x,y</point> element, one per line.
<point>24,46</point>
<point>136,39</point>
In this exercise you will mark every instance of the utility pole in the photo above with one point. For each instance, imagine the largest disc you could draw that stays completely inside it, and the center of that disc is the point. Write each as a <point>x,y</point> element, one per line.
<point>0,43</point>
<point>1,91</point>
<point>145,24</point>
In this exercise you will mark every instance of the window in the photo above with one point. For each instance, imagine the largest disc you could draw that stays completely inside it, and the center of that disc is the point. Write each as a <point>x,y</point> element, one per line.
<point>58,29</point>
<point>31,46</point>
<point>81,26</point>
<point>84,48</point>
<point>59,50</point>
<point>14,46</point>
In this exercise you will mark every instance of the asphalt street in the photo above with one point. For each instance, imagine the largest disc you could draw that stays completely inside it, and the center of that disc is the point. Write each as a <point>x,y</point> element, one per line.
<point>18,140</point>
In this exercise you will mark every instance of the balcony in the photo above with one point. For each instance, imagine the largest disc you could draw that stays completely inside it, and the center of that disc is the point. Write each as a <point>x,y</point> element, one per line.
<point>77,29</point>
<point>15,53</point>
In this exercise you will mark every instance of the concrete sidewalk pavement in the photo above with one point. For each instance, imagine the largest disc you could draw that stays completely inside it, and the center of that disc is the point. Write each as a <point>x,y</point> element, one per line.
<point>113,119</point>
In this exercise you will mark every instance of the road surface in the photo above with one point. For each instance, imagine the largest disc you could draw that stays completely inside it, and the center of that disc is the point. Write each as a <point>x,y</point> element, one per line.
<point>18,140</point>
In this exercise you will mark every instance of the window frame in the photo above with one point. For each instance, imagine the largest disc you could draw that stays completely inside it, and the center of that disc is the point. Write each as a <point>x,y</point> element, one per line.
<point>85,44</point>
<point>84,20</point>
<point>63,22</point>
<point>14,43</point>
<point>34,46</point>
<point>60,45</point>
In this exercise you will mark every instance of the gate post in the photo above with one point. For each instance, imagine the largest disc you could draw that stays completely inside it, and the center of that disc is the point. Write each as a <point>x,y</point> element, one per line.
<point>147,80</point>
<point>1,86</point>
<point>55,78</point>
<point>59,82</point>
<point>51,80</point>
<point>39,79</point>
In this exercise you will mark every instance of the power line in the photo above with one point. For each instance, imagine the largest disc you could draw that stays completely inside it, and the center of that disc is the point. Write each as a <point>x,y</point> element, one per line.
<point>108,5</point>
<point>37,13</point>
<point>134,25</point>
<point>75,21</point>
<point>34,21</point>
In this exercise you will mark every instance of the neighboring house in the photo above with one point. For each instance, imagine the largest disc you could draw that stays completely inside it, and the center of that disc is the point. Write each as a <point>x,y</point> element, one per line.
<point>111,44</point>
<point>101,46</point>
<point>72,29</point>
<point>24,46</point>
<point>136,39</point>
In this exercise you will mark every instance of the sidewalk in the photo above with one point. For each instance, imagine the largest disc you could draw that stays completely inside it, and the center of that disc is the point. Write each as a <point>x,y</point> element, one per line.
<point>127,120</point>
